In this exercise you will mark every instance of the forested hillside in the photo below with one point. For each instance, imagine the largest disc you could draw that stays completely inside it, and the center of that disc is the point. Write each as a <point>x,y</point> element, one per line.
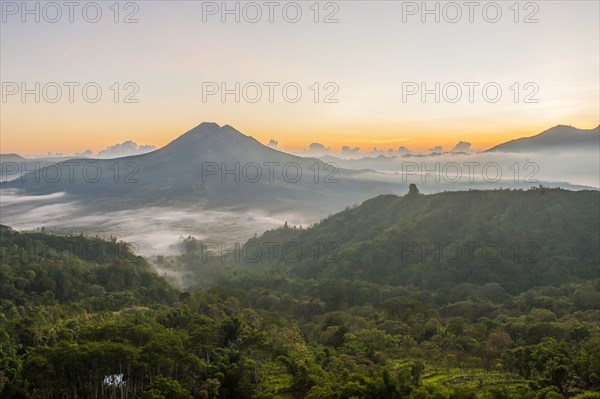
<point>81,317</point>
<point>516,321</point>
<point>97,274</point>
<point>518,239</point>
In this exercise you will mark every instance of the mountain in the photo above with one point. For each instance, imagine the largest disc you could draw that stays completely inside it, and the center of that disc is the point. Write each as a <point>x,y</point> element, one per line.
<point>11,158</point>
<point>518,239</point>
<point>211,166</point>
<point>558,138</point>
<point>14,165</point>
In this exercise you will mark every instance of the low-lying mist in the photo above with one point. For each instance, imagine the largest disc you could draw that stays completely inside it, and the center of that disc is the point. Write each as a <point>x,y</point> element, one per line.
<point>157,230</point>
<point>455,171</point>
<point>151,231</point>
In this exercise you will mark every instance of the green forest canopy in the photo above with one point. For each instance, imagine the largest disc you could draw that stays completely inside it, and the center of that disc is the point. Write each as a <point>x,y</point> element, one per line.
<point>85,317</point>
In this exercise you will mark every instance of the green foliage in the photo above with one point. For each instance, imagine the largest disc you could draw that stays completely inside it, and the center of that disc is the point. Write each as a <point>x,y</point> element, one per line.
<point>497,242</point>
<point>77,323</point>
<point>166,388</point>
<point>45,269</point>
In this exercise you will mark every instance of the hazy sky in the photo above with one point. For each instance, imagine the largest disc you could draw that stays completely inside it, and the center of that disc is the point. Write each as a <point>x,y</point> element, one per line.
<point>375,53</point>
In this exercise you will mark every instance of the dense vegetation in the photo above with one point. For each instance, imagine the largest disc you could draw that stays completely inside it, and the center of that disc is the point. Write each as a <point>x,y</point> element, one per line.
<point>518,239</point>
<point>365,316</point>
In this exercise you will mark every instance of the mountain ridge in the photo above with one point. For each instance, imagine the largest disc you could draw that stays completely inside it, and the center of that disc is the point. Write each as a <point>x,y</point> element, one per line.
<point>537,235</point>
<point>560,136</point>
<point>212,166</point>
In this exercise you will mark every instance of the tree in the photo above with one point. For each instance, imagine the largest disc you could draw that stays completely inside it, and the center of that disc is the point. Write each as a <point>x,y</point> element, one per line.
<point>166,388</point>
<point>412,189</point>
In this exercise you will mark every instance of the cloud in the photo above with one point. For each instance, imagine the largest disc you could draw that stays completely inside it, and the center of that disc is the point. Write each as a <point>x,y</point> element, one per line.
<point>125,149</point>
<point>317,149</point>
<point>273,144</point>
<point>375,151</point>
<point>84,154</point>
<point>402,150</point>
<point>346,150</point>
<point>462,146</point>
<point>436,149</point>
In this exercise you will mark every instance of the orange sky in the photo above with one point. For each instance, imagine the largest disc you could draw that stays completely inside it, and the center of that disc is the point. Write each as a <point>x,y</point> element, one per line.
<point>368,55</point>
<point>37,137</point>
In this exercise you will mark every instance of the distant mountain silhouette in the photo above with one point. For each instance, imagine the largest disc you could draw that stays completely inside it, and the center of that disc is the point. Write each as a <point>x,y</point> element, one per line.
<point>13,165</point>
<point>560,137</point>
<point>188,171</point>
<point>11,158</point>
